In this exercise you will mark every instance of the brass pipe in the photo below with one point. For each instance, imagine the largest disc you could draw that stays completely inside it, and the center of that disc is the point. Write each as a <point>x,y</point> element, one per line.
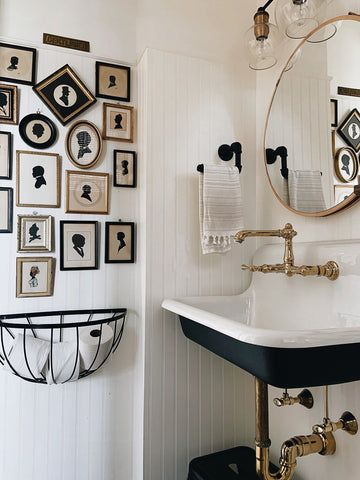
<point>299,446</point>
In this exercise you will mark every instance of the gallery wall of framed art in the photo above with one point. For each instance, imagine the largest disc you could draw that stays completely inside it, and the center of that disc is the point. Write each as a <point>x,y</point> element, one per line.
<point>67,142</point>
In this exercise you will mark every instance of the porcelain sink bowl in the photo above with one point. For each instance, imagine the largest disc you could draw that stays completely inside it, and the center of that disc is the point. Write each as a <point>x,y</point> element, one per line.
<point>289,332</point>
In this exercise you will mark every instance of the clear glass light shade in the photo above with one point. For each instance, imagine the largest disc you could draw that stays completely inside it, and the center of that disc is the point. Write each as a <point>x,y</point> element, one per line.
<point>297,18</point>
<point>261,50</point>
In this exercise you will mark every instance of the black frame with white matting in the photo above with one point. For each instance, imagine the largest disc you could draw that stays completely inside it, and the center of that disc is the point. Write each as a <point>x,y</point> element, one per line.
<point>119,242</point>
<point>38,131</point>
<point>17,64</point>
<point>79,247</point>
<point>9,110</point>
<point>349,130</point>
<point>6,210</point>
<point>112,81</point>
<point>5,155</point>
<point>124,174</point>
<point>83,144</point>
<point>65,94</point>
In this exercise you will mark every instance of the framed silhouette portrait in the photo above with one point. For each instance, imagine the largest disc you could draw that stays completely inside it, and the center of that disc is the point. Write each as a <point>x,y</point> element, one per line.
<point>349,130</point>
<point>83,144</point>
<point>65,94</point>
<point>112,81</point>
<point>342,192</point>
<point>34,233</point>
<point>38,131</point>
<point>9,104</point>
<point>5,155</point>
<point>119,242</point>
<point>87,192</point>
<point>79,245</point>
<point>118,122</point>
<point>17,64</point>
<point>346,164</point>
<point>124,168</point>
<point>34,276</point>
<point>6,209</point>
<point>37,179</point>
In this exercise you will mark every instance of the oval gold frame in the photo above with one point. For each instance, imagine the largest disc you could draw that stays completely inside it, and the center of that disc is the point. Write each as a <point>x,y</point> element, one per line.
<point>353,156</point>
<point>353,198</point>
<point>69,152</point>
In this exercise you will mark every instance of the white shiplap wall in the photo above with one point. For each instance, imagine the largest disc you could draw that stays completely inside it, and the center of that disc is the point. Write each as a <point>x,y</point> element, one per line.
<point>195,402</point>
<point>83,430</point>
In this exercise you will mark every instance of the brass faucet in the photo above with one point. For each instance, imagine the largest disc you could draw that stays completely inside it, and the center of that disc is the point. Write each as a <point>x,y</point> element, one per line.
<point>330,270</point>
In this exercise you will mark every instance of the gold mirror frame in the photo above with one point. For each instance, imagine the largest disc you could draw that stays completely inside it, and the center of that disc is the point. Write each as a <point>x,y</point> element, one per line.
<point>355,196</point>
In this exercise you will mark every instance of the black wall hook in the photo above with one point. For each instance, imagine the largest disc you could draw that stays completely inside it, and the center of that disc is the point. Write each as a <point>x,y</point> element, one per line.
<point>271,156</point>
<point>226,153</point>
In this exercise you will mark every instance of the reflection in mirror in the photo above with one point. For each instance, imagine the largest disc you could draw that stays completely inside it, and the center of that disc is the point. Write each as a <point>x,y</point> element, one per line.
<point>313,129</point>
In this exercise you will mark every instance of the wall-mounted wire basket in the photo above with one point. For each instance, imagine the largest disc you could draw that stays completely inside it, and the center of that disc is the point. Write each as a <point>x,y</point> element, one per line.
<point>72,344</point>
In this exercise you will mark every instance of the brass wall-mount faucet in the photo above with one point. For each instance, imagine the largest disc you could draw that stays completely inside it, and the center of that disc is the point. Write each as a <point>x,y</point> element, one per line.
<point>330,270</point>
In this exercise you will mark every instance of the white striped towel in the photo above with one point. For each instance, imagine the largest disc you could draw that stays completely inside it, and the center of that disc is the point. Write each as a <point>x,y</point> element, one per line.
<point>220,207</point>
<point>306,191</point>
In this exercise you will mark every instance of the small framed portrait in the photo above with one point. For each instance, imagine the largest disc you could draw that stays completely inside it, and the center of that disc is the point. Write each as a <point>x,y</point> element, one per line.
<point>5,155</point>
<point>9,104</point>
<point>34,276</point>
<point>34,233</point>
<point>112,81</point>
<point>346,164</point>
<point>37,179</point>
<point>87,192</point>
<point>6,210</point>
<point>124,168</point>
<point>78,245</point>
<point>349,130</point>
<point>334,112</point>
<point>83,144</point>
<point>119,242</point>
<point>38,131</point>
<point>342,192</point>
<point>65,94</point>
<point>17,64</point>
<point>118,122</point>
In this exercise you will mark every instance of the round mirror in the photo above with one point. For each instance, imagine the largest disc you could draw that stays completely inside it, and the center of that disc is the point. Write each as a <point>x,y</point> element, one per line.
<point>312,135</point>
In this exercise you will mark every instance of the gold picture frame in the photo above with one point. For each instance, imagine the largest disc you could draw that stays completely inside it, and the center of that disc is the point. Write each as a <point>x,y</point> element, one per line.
<point>41,273</point>
<point>34,233</point>
<point>118,122</point>
<point>87,192</point>
<point>9,109</point>
<point>65,94</point>
<point>37,179</point>
<point>83,144</point>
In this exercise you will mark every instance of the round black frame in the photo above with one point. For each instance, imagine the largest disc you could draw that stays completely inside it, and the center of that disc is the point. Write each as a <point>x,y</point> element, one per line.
<point>38,116</point>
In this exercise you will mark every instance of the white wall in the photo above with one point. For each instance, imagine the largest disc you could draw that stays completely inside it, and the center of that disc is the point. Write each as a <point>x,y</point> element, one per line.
<point>344,225</point>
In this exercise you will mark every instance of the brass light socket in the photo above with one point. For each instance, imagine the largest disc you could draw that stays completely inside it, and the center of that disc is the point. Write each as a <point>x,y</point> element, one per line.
<point>261,25</point>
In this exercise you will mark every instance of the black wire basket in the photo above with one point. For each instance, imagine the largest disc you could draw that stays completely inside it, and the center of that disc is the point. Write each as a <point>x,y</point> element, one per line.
<point>59,350</point>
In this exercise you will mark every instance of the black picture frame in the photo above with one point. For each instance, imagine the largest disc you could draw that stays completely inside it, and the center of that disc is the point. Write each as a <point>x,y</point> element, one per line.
<point>334,112</point>
<point>9,111</point>
<point>349,130</point>
<point>124,175</point>
<point>112,81</point>
<point>6,209</point>
<point>17,64</point>
<point>119,242</point>
<point>82,252</point>
<point>5,155</point>
<point>65,94</point>
<point>41,137</point>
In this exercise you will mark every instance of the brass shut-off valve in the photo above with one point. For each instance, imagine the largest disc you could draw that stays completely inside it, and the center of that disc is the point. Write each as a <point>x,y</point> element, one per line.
<point>304,398</point>
<point>346,422</point>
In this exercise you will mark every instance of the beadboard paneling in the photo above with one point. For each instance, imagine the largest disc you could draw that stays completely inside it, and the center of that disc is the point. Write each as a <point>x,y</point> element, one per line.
<point>189,107</point>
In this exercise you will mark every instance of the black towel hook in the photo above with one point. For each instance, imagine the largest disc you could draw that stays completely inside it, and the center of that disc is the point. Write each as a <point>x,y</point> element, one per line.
<point>226,153</point>
<point>271,156</point>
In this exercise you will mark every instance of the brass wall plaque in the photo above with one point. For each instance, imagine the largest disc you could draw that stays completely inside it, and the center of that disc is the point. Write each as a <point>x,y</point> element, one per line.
<point>351,92</point>
<point>58,41</point>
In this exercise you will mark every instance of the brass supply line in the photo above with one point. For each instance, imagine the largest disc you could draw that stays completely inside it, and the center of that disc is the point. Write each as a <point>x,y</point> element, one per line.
<point>304,398</point>
<point>330,270</point>
<point>299,446</point>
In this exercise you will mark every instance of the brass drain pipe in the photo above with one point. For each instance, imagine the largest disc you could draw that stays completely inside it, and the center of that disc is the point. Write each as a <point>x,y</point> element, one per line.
<point>323,443</point>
